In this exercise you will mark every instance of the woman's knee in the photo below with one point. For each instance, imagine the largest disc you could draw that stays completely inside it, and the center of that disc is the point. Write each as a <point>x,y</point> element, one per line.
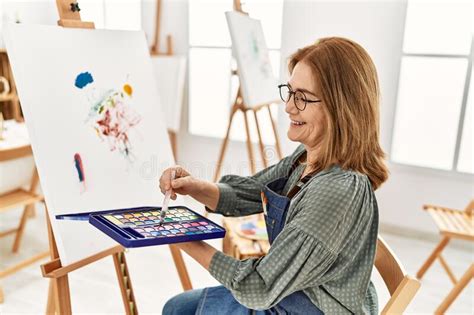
<point>183,304</point>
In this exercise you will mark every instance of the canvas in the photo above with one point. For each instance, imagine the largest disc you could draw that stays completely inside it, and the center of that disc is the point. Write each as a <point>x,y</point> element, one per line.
<point>257,81</point>
<point>95,122</point>
<point>170,72</point>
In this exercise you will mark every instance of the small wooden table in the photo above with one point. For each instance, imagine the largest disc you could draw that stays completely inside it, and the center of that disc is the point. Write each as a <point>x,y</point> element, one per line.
<point>241,247</point>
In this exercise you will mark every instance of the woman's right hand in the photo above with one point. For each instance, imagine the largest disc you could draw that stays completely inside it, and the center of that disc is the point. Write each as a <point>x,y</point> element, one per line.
<point>183,184</point>
<point>203,191</point>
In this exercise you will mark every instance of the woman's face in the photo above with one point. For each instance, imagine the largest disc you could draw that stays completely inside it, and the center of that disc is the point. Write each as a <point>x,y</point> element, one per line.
<point>307,126</point>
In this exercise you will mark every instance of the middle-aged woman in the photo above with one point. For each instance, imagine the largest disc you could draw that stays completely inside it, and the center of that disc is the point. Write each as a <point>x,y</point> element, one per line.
<point>319,203</point>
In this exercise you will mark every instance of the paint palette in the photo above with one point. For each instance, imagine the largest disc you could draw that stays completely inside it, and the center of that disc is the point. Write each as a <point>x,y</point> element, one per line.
<point>254,229</point>
<point>141,226</point>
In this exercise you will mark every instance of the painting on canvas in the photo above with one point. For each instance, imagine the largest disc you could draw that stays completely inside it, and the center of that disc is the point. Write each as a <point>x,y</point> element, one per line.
<point>257,80</point>
<point>95,122</point>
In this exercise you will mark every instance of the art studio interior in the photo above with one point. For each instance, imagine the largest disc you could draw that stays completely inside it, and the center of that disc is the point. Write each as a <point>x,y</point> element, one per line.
<point>236,157</point>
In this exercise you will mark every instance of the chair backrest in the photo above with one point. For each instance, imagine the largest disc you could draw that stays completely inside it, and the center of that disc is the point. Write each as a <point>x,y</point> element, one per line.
<point>15,153</point>
<point>402,287</point>
<point>470,208</point>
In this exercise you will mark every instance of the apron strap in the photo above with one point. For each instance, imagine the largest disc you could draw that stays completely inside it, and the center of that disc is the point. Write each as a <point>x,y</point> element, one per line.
<point>296,188</point>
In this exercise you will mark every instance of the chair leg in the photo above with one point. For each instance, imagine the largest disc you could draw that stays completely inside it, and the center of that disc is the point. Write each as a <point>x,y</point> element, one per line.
<point>450,273</point>
<point>439,248</point>
<point>453,294</point>
<point>21,229</point>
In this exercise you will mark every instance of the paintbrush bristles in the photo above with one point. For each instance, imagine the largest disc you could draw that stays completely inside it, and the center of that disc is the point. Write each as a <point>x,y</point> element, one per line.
<point>166,201</point>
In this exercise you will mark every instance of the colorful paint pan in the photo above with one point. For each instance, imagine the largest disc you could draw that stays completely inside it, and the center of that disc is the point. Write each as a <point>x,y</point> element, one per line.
<point>141,226</point>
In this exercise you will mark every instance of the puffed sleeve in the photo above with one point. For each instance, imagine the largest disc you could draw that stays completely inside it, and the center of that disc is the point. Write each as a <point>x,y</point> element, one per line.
<point>295,261</point>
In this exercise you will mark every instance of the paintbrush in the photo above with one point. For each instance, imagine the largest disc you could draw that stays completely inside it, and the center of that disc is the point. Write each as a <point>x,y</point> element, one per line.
<point>166,201</point>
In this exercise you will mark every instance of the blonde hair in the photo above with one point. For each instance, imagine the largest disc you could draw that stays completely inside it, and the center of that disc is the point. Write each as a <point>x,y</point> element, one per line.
<point>349,88</point>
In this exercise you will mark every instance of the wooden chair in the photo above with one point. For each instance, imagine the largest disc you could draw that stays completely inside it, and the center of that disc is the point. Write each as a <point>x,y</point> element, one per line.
<point>452,224</point>
<point>402,287</point>
<point>16,199</point>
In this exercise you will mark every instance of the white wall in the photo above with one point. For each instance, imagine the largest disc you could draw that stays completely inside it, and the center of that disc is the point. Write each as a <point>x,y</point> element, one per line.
<point>378,26</point>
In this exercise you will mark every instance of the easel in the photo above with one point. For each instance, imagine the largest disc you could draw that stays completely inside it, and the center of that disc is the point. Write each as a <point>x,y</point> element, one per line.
<point>155,51</point>
<point>239,105</point>
<point>59,299</point>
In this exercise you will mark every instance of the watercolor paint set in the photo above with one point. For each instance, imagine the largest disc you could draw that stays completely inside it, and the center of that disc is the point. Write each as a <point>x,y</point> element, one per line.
<point>138,227</point>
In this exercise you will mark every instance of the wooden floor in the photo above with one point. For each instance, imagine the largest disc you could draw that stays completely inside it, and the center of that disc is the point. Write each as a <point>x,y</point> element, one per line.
<point>94,289</point>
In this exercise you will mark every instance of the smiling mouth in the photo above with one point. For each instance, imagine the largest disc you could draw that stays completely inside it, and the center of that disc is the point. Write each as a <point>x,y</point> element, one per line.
<point>297,123</point>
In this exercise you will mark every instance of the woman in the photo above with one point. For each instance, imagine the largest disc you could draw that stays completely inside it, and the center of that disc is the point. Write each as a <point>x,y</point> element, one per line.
<point>319,203</point>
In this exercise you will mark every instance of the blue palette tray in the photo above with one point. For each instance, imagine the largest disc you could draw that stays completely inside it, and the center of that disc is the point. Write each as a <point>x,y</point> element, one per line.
<point>138,227</point>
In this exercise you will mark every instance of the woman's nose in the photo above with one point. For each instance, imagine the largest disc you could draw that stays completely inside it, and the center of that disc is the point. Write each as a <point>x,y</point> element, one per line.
<point>290,107</point>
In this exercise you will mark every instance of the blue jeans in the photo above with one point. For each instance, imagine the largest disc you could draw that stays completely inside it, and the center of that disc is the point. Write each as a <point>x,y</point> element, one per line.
<point>218,300</point>
<point>208,301</point>
<point>185,303</point>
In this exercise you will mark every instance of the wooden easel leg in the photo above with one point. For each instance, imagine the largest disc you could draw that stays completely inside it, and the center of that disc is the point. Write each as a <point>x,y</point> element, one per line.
<point>181,268</point>
<point>125,284</point>
<point>50,305</point>
<point>174,149</point>
<point>224,144</point>
<point>456,290</point>
<point>62,295</point>
<point>260,141</point>
<point>438,249</point>
<point>1,295</point>
<point>21,228</point>
<point>32,212</point>
<point>249,144</point>
<point>275,132</point>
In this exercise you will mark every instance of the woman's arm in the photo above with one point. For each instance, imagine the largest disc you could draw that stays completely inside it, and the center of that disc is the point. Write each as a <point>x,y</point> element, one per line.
<point>200,251</point>
<point>234,195</point>
<point>203,191</point>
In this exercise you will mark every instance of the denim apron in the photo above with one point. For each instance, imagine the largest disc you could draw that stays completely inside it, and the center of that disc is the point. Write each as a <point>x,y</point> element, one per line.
<point>219,300</point>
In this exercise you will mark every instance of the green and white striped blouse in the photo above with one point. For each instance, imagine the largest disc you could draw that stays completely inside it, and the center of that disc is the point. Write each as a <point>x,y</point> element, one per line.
<point>326,248</point>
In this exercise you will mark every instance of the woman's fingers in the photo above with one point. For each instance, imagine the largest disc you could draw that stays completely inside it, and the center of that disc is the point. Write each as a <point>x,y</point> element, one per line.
<point>179,183</point>
<point>164,181</point>
<point>180,171</point>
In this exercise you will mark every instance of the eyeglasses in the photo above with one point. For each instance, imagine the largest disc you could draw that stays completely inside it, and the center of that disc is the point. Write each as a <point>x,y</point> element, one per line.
<point>299,97</point>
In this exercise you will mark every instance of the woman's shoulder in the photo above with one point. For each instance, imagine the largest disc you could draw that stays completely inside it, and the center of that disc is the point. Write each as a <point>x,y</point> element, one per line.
<point>340,180</point>
<point>336,190</point>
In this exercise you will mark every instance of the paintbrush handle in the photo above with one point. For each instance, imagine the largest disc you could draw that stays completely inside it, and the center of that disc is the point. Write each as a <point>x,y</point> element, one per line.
<point>166,201</point>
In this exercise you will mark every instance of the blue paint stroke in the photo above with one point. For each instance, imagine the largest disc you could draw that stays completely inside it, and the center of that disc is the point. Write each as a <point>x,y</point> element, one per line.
<point>79,167</point>
<point>83,79</point>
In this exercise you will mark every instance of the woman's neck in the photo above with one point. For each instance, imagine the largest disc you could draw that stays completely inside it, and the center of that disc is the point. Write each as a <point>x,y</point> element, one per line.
<point>312,153</point>
<point>311,158</point>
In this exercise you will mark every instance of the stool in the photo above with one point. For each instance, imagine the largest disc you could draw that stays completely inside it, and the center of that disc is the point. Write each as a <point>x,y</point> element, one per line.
<point>241,247</point>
